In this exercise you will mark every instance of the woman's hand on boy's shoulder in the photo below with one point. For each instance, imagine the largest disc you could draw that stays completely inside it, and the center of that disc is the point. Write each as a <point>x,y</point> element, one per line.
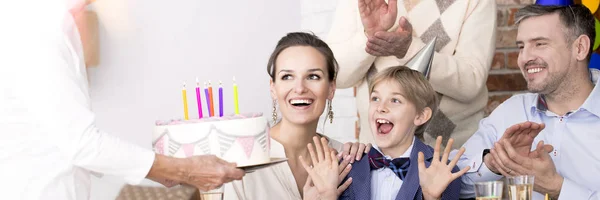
<point>435,179</point>
<point>356,150</point>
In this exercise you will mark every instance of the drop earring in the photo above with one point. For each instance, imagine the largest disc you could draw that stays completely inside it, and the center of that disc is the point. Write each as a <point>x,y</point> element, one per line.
<point>330,112</point>
<point>274,111</point>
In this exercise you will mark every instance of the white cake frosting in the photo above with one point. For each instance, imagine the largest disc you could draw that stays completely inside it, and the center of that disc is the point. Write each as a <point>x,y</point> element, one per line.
<point>243,139</point>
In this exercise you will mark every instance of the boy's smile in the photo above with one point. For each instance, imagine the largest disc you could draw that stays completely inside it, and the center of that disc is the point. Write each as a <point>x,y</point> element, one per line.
<point>392,117</point>
<point>384,126</point>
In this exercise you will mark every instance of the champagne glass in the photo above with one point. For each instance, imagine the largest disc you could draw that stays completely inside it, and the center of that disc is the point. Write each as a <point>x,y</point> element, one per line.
<point>520,187</point>
<point>491,190</point>
<point>215,194</point>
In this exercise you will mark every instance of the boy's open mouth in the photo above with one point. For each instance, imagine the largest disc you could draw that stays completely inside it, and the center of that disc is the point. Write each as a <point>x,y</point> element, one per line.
<point>384,126</point>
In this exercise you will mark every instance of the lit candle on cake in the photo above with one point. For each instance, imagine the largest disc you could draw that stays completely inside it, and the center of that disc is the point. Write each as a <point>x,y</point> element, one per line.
<point>235,98</point>
<point>207,99</point>
<point>212,104</point>
<point>185,106</point>
<point>198,98</point>
<point>220,99</point>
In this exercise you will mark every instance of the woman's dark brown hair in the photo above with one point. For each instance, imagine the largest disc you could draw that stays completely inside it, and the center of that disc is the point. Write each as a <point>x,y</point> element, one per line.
<point>303,39</point>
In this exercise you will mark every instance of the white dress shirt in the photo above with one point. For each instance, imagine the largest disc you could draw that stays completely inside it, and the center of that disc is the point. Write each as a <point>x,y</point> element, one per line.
<point>385,184</point>
<point>49,143</point>
<point>575,138</point>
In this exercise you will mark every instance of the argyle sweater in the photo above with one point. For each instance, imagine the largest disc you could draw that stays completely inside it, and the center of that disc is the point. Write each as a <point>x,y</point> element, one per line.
<point>465,46</point>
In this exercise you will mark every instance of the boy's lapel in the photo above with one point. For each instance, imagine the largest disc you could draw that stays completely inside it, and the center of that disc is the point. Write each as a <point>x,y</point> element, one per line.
<point>361,178</point>
<point>410,186</point>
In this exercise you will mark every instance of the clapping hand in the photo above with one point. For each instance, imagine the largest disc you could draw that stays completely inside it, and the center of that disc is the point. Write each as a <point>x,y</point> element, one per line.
<point>521,137</point>
<point>377,15</point>
<point>393,43</point>
<point>537,163</point>
<point>435,179</point>
<point>325,174</point>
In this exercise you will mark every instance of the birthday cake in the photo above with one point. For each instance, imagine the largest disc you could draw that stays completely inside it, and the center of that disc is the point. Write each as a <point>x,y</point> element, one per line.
<point>243,139</point>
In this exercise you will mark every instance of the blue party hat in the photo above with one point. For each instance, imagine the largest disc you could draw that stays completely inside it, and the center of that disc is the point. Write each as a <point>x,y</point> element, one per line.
<point>554,2</point>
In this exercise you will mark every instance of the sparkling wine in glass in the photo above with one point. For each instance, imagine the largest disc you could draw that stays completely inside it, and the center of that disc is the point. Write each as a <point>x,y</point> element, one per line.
<point>520,187</point>
<point>216,194</point>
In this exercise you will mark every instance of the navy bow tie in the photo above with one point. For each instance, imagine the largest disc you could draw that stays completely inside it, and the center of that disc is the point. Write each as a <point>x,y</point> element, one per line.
<point>398,165</point>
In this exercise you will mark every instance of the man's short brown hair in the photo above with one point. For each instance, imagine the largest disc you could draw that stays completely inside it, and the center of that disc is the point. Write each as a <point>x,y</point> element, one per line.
<point>577,20</point>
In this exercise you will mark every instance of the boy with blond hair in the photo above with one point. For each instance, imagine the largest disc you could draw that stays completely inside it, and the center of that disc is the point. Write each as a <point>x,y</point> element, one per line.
<point>400,165</point>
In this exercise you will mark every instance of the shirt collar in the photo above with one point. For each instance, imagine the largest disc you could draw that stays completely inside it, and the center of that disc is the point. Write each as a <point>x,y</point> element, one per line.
<point>591,104</point>
<point>539,104</point>
<point>406,154</point>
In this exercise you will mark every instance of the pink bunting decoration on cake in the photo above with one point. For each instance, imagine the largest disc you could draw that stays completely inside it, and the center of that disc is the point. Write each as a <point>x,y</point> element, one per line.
<point>159,147</point>
<point>188,149</point>
<point>247,144</point>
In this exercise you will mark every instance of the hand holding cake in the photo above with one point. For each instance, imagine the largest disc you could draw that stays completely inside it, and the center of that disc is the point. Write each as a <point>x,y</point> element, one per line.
<point>205,172</point>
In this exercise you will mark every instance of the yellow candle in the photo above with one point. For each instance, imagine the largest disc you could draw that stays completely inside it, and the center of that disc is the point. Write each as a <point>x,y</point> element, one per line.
<point>235,98</point>
<point>185,106</point>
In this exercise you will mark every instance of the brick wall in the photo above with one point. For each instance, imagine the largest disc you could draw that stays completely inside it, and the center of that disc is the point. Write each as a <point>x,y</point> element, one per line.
<point>505,79</point>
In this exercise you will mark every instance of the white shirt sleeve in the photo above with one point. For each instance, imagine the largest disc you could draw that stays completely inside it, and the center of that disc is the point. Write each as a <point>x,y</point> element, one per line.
<point>571,190</point>
<point>49,78</point>
<point>484,138</point>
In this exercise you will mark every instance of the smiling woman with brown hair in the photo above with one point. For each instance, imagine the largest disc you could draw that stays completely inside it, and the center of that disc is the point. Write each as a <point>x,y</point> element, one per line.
<point>302,72</point>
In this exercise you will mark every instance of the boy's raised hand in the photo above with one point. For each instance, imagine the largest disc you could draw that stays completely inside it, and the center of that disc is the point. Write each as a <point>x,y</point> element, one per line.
<point>325,174</point>
<point>435,179</point>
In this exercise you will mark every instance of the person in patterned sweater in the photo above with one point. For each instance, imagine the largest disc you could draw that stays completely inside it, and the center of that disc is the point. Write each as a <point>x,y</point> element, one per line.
<point>368,36</point>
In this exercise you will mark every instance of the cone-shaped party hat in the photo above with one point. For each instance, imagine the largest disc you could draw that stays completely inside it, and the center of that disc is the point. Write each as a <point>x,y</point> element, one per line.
<point>423,59</point>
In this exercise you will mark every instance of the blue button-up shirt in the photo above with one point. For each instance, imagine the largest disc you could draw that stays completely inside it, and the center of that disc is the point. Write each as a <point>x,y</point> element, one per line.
<point>575,137</point>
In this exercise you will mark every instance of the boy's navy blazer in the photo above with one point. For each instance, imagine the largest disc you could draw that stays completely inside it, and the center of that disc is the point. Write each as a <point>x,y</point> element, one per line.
<point>360,189</point>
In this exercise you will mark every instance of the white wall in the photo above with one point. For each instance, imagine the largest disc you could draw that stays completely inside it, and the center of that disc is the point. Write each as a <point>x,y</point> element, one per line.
<point>149,47</point>
<point>317,16</point>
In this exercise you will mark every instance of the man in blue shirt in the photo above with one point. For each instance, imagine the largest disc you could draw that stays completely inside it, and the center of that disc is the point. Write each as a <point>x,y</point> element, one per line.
<point>562,111</point>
